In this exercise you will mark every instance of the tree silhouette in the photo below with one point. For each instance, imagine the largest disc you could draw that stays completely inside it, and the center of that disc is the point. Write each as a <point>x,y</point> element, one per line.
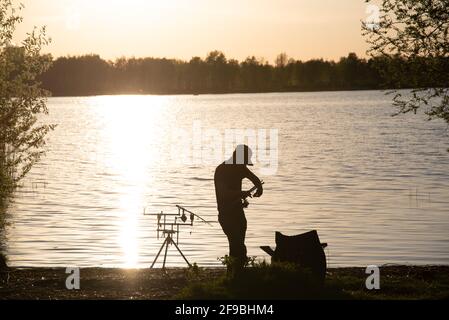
<point>91,75</point>
<point>22,100</point>
<point>411,46</point>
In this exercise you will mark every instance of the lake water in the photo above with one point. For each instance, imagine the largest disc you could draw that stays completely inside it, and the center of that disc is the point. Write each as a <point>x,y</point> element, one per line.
<point>375,187</point>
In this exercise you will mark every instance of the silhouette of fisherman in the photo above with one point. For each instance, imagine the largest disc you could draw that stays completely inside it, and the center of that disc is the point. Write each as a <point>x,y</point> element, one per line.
<point>228,190</point>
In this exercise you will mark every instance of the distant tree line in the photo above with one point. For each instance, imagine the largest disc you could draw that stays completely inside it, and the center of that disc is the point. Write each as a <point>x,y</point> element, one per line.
<point>91,75</point>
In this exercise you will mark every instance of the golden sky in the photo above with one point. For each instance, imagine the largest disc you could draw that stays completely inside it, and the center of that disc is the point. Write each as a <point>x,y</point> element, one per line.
<point>303,29</point>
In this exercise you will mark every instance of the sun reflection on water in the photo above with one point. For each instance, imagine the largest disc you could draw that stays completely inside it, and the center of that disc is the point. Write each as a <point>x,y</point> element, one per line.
<point>129,136</point>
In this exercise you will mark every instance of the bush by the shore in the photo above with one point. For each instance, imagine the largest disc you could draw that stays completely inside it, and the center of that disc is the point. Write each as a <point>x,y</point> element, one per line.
<point>283,281</point>
<point>263,281</point>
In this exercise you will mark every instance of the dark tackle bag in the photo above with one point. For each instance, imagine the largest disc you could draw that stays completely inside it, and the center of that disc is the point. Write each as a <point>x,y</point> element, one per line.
<point>305,249</point>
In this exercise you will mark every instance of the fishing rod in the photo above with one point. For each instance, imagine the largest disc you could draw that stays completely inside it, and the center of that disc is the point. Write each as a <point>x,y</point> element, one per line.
<point>254,188</point>
<point>244,201</point>
<point>182,211</point>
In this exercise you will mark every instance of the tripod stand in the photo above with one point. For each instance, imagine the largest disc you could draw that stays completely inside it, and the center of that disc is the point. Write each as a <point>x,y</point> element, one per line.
<point>168,240</point>
<point>169,229</point>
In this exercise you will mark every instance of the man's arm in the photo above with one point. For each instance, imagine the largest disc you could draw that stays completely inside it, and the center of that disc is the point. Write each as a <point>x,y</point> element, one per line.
<point>256,181</point>
<point>231,194</point>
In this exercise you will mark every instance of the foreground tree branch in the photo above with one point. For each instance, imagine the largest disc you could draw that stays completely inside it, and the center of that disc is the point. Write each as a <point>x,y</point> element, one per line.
<point>22,101</point>
<point>412,39</point>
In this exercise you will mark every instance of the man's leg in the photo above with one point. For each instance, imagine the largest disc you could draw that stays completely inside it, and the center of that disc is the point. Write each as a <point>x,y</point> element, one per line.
<point>235,229</point>
<point>227,226</point>
<point>239,242</point>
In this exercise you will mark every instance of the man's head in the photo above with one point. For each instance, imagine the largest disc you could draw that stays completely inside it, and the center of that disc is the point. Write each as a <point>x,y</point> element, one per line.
<point>242,155</point>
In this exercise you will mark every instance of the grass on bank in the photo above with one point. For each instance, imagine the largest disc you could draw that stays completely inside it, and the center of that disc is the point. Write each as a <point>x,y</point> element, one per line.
<point>286,281</point>
<point>258,282</point>
<point>261,281</point>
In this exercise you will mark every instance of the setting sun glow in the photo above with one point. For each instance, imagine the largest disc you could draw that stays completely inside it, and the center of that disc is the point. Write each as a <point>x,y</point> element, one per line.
<point>304,29</point>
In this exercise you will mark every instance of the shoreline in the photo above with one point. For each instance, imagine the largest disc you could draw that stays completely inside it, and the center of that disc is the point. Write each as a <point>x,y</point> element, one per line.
<point>384,90</point>
<point>397,282</point>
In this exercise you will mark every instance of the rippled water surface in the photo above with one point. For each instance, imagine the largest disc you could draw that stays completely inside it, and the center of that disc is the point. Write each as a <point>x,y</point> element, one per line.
<point>375,187</point>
